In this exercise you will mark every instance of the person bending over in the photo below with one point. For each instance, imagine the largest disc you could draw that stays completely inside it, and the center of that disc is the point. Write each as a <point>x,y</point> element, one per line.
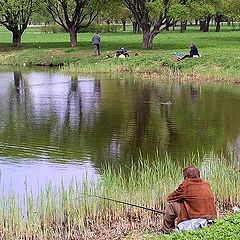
<point>122,51</point>
<point>193,199</point>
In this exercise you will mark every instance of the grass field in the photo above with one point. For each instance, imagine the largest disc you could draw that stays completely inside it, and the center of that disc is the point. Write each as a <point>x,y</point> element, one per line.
<point>220,52</point>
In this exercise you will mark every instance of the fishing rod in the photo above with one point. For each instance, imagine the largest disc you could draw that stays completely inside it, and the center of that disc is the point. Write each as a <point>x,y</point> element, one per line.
<point>126,203</point>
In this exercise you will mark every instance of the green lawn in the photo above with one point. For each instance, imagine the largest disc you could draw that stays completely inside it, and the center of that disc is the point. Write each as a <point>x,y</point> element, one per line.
<point>220,51</point>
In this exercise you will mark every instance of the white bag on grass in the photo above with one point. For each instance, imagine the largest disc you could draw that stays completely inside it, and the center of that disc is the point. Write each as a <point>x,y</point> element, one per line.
<point>192,224</point>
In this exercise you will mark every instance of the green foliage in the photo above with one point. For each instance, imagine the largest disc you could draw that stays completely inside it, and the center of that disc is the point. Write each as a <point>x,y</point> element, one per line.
<point>40,14</point>
<point>102,28</point>
<point>179,12</point>
<point>52,29</point>
<point>155,8</point>
<point>201,10</point>
<point>232,9</point>
<point>15,14</point>
<point>227,228</point>
<point>114,10</point>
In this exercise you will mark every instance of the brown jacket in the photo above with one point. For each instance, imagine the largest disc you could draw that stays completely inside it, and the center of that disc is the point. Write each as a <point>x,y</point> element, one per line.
<point>196,200</point>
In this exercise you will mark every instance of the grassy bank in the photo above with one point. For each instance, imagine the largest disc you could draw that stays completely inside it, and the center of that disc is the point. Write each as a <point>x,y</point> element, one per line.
<point>227,228</point>
<point>219,61</point>
<point>74,213</point>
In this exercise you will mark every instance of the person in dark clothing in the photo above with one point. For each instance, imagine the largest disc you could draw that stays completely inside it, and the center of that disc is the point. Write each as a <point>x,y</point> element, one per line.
<point>193,199</point>
<point>193,53</point>
<point>96,39</point>
<point>122,51</point>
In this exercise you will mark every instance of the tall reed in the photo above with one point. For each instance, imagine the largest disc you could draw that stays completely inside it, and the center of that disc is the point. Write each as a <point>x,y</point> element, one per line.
<point>65,212</point>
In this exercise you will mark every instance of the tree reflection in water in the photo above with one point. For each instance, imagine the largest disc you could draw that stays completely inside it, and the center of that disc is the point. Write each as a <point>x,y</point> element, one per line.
<point>66,119</point>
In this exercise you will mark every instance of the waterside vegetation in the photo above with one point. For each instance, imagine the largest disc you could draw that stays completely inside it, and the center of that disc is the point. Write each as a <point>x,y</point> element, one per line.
<point>226,228</point>
<point>74,212</point>
<point>219,61</point>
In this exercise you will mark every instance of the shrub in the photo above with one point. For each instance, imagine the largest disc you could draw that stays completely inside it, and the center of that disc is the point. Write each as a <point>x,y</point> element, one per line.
<point>52,29</point>
<point>102,28</point>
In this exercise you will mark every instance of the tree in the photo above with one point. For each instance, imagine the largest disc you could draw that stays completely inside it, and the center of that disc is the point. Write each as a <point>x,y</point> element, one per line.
<point>152,16</point>
<point>232,9</point>
<point>181,13</point>
<point>74,15</point>
<point>41,15</point>
<point>15,15</point>
<point>205,10</point>
<point>202,10</point>
<point>116,10</point>
<point>219,6</point>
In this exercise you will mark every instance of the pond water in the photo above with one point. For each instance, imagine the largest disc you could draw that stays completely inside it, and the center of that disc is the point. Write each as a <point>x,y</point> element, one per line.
<point>55,127</point>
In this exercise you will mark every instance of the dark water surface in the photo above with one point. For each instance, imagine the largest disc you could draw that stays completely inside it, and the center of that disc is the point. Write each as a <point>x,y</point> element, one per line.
<point>57,127</point>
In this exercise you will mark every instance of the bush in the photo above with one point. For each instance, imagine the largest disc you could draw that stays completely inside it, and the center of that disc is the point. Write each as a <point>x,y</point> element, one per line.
<point>102,28</point>
<point>92,28</point>
<point>52,29</point>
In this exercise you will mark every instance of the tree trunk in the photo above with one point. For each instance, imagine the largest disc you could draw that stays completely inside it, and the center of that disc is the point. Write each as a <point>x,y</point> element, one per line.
<point>167,25</point>
<point>207,24</point>
<point>196,22</point>
<point>134,24</point>
<point>218,26</point>
<point>139,30</point>
<point>186,25</point>
<point>228,21</point>
<point>124,25</point>
<point>147,39</point>
<point>183,26</point>
<point>202,25</point>
<point>73,38</point>
<point>218,23</point>
<point>174,25</point>
<point>16,41</point>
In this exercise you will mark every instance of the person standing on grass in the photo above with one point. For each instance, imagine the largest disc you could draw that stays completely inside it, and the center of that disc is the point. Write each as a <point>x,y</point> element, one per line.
<point>193,199</point>
<point>96,39</point>
<point>193,53</point>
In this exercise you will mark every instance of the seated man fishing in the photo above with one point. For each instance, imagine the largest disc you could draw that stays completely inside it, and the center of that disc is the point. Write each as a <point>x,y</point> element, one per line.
<point>192,200</point>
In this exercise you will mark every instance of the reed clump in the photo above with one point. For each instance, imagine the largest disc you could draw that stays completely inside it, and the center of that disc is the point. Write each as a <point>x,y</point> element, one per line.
<point>75,211</point>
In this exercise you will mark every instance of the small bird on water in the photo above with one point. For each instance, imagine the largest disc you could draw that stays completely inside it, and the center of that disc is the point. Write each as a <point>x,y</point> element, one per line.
<point>166,103</point>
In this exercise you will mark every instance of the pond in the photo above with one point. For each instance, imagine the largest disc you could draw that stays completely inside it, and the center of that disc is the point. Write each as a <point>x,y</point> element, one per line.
<point>56,127</point>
